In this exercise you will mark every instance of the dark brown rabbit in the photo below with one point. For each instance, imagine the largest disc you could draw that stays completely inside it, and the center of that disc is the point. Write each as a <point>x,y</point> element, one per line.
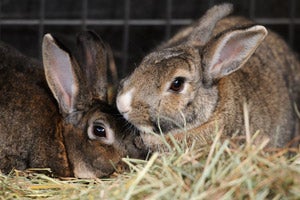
<point>62,121</point>
<point>200,80</point>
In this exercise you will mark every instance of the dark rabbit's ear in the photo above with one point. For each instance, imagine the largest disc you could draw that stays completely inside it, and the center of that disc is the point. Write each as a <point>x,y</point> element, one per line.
<point>228,52</point>
<point>93,61</point>
<point>60,74</point>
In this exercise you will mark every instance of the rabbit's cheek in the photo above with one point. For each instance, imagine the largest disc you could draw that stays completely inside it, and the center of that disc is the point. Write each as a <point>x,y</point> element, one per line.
<point>173,105</point>
<point>99,165</point>
<point>140,116</point>
<point>171,113</point>
<point>106,163</point>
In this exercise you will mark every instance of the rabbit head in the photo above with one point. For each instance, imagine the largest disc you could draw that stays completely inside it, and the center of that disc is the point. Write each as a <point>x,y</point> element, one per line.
<point>175,86</point>
<point>93,132</point>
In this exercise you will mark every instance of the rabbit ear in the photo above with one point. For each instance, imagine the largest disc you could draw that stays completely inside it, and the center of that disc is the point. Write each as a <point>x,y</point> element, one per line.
<point>202,31</point>
<point>228,52</point>
<point>60,74</point>
<point>93,61</point>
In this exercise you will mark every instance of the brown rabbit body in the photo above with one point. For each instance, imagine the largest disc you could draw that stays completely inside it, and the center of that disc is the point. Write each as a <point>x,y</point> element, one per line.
<point>202,77</point>
<point>72,130</point>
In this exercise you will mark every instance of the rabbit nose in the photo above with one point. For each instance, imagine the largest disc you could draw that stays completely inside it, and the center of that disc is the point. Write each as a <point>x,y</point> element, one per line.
<point>124,102</point>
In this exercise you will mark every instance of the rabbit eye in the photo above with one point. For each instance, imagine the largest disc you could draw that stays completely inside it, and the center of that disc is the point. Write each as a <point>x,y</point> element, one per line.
<point>177,84</point>
<point>99,131</point>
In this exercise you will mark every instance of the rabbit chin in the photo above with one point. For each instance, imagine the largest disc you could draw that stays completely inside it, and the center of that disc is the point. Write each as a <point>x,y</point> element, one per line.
<point>82,171</point>
<point>151,139</point>
<point>146,129</point>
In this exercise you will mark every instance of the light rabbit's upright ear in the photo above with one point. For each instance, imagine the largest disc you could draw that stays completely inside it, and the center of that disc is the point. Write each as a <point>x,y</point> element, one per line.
<point>60,74</point>
<point>93,61</point>
<point>230,51</point>
<point>202,31</point>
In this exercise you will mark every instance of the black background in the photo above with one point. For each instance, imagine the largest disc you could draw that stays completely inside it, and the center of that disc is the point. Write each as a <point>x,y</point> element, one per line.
<point>131,27</point>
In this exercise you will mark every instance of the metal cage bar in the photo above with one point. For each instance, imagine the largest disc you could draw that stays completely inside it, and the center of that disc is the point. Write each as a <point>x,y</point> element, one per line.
<point>132,22</point>
<point>125,36</point>
<point>84,13</point>
<point>168,19</point>
<point>41,25</point>
<point>292,23</point>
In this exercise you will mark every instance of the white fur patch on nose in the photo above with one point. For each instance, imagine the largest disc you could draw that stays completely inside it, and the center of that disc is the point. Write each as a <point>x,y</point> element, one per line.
<point>124,102</point>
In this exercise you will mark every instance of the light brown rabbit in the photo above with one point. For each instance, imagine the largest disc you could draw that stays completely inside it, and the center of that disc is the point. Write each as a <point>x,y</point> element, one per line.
<point>62,122</point>
<point>201,78</point>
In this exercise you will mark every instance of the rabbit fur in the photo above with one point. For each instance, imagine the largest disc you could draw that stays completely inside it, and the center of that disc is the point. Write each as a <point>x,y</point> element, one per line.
<point>204,77</point>
<point>58,117</point>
